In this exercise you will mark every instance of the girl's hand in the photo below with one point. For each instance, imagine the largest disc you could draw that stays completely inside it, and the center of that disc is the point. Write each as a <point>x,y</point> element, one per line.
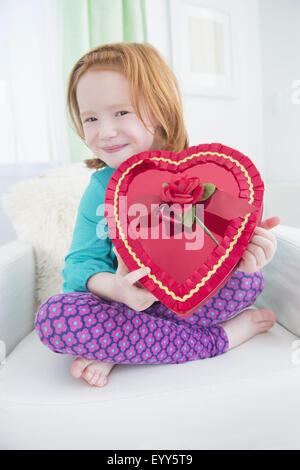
<point>261,248</point>
<point>137,298</point>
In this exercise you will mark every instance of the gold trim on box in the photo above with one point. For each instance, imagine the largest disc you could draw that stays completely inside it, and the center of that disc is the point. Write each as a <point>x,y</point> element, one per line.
<point>228,251</point>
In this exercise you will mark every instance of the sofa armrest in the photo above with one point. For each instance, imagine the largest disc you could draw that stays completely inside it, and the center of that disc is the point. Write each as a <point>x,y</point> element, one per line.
<point>17,281</point>
<point>282,276</point>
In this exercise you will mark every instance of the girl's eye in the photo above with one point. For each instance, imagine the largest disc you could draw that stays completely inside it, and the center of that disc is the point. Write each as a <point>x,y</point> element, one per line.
<point>122,112</point>
<point>89,119</point>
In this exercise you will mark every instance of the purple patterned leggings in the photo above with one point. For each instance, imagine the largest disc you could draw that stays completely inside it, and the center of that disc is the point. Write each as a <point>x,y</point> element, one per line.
<point>84,325</point>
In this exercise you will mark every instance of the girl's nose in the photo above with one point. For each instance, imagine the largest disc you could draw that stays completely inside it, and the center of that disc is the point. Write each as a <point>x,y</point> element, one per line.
<point>107,131</point>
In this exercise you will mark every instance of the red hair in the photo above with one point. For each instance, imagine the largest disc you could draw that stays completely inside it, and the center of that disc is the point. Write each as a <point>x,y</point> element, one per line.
<point>149,77</point>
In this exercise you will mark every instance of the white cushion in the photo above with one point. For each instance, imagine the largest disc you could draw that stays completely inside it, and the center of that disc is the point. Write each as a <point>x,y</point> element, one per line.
<point>43,213</point>
<point>77,170</point>
<point>247,398</point>
<point>17,276</point>
<point>281,292</point>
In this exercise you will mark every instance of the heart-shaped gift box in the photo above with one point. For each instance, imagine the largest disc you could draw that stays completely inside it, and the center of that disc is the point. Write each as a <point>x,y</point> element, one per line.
<point>189,216</point>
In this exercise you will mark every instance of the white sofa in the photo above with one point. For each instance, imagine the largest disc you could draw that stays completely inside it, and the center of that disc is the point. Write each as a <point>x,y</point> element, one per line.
<point>247,398</point>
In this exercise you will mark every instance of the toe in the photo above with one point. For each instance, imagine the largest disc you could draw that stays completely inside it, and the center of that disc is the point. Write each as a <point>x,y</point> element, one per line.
<point>94,377</point>
<point>265,316</point>
<point>265,320</point>
<point>89,374</point>
<point>78,366</point>
<point>96,373</point>
<point>101,381</point>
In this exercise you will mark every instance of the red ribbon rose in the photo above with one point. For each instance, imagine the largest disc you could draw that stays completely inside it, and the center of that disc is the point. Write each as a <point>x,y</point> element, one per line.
<point>186,192</point>
<point>183,190</point>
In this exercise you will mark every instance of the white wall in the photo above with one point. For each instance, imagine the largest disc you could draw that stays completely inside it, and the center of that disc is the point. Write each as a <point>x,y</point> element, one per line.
<point>280,40</point>
<point>261,122</point>
<point>236,122</point>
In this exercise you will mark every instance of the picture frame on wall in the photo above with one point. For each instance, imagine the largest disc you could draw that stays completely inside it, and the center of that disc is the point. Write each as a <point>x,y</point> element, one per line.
<point>202,55</point>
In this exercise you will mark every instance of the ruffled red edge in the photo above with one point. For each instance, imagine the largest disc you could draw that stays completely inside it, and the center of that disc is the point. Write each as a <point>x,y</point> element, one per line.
<point>212,285</point>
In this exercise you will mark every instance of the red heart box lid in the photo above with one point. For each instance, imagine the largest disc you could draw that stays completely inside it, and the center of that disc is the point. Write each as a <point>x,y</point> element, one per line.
<point>188,263</point>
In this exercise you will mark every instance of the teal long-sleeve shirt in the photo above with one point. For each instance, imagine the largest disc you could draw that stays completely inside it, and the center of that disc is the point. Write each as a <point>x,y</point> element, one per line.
<point>89,254</point>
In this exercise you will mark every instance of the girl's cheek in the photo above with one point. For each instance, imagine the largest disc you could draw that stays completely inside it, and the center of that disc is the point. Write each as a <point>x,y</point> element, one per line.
<point>89,135</point>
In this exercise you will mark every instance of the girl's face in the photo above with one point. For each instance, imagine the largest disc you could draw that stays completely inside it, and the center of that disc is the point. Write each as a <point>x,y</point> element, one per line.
<point>109,120</point>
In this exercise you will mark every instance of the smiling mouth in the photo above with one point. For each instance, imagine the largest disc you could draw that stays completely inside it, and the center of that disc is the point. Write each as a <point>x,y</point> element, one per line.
<point>114,148</point>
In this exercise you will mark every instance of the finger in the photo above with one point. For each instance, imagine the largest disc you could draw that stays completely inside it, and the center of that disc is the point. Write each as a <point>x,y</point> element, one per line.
<point>248,263</point>
<point>122,268</point>
<point>266,244</point>
<point>150,297</point>
<point>258,253</point>
<point>263,232</point>
<point>134,276</point>
<point>145,296</point>
<point>270,223</point>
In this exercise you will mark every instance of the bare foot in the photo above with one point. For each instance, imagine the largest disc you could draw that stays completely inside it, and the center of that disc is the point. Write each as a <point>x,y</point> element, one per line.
<point>94,372</point>
<point>247,324</point>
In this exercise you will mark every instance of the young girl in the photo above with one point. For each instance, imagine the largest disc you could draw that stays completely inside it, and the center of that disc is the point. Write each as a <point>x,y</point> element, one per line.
<point>123,99</point>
